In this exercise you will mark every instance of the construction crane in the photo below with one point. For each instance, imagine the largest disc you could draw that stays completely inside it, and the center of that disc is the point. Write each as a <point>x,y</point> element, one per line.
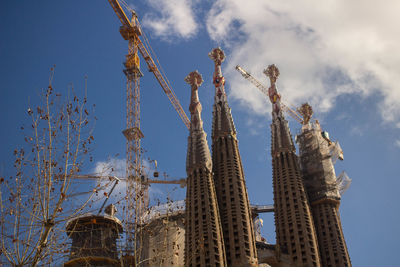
<point>137,192</point>
<point>294,114</point>
<point>144,180</point>
<point>112,178</point>
<point>130,31</point>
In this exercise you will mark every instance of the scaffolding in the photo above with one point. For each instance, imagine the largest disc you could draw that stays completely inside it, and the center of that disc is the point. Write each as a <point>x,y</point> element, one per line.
<point>94,240</point>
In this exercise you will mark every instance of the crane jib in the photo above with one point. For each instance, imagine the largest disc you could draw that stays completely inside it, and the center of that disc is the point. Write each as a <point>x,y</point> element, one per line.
<point>135,33</point>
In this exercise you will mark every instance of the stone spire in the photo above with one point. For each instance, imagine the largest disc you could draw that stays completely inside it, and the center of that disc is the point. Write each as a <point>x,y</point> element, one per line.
<point>222,119</point>
<point>233,202</point>
<point>295,232</point>
<point>198,152</point>
<point>322,190</point>
<point>203,236</point>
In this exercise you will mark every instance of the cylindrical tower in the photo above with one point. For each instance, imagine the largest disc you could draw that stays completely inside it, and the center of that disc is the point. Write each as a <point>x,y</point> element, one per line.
<point>321,186</point>
<point>94,240</point>
<point>164,236</point>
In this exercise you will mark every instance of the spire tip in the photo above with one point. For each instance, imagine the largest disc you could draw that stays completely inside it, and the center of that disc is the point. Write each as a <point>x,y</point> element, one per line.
<point>217,55</point>
<point>273,73</point>
<point>194,78</point>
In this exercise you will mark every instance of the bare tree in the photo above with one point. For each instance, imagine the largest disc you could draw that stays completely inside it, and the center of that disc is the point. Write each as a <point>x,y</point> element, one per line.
<point>33,202</point>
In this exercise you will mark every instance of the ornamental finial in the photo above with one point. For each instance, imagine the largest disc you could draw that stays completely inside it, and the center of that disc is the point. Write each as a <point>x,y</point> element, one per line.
<point>194,79</point>
<point>306,111</point>
<point>273,73</point>
<point>217,55</point>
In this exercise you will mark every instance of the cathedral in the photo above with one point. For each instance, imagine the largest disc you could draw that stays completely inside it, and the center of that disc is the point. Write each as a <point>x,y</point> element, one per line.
<point>219,226</point>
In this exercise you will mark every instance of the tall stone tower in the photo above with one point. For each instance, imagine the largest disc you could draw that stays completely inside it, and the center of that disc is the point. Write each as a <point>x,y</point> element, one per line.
<point>204,244</point>
<point>320,183</point>
<point>230,186</point>
<point>295,232</point>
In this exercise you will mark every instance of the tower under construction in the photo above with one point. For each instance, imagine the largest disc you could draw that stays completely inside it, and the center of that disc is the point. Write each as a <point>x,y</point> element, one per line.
<point>94,239</point>
<point>204,244</point>
<point>230,186</point>
<point>322,189</point>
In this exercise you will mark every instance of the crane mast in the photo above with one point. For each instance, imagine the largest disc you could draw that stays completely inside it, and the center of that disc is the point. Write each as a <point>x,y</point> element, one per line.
<point>264,90</point>
<point>129,30</point>
<point>137,198</point>
<point>137,193</point>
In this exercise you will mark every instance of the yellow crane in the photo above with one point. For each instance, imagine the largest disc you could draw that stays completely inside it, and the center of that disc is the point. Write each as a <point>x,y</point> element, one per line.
<point>137,192</point>
<point>130,31</point>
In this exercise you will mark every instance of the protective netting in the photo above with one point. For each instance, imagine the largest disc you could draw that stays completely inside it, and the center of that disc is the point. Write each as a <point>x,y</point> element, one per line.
<point>343,182</point>
<point>336,152</point>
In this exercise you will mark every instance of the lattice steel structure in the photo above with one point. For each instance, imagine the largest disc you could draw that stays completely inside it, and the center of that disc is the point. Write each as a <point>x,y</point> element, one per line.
<point>295,232</point>
<point>230,186</point>
<point>204,244</point>
<point>321,186</point>
<point>135,190</point>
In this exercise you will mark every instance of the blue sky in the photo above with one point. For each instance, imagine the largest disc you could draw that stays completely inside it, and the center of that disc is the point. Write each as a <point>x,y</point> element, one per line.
<point>341,57</point>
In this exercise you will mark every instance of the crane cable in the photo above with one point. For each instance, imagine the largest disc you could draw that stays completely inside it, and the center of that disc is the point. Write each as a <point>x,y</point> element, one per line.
<point>126,5</point>
<point>150,50</point>
<point>154,56</point>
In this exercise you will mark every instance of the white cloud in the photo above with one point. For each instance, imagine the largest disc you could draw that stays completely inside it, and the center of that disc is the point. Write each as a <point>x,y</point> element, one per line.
<point>322,50</point>
<point>117,167</point>
<point>174,17</point>
<point>397,142</point>
<point>112,167</point>
<point>356,130</point>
